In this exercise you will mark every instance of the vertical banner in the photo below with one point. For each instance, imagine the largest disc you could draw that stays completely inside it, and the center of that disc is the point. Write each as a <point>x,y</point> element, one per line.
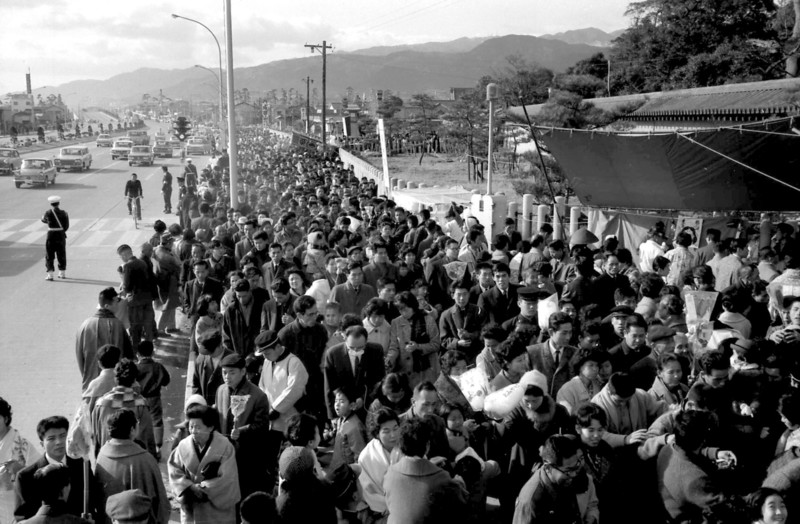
<point>345,126</point>
<point>387,184</point>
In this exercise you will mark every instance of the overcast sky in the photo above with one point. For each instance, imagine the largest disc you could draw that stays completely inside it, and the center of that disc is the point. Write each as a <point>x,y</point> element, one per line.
<point>64,40</point>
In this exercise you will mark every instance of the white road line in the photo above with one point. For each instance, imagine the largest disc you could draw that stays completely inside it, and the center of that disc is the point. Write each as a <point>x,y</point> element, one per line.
<point>32,238</point>
<point>87,175</point>
<point>9,224</point>
<point>33,226</point>
<point>7,234</point>
<point>94,239</point>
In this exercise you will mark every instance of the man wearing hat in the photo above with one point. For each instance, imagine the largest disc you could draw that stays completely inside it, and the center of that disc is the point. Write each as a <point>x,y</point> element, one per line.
<point>129,507</point>
<point>190,172</point>
<point>527,299</point>
<point>57,221</point>
<point>661,340</point>
<point>613,326</point>
<point>166,189</point>
<point>283,379</point>
<point>244,418</point>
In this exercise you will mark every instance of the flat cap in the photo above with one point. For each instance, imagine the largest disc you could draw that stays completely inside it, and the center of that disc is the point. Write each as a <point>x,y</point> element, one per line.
<point>132,505</point>
<point>233,361</point>
<point>656,333</point>
<point>532,294</point>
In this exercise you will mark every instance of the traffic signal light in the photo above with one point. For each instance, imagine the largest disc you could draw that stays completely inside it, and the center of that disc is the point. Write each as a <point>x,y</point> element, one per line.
<point>182,127</point>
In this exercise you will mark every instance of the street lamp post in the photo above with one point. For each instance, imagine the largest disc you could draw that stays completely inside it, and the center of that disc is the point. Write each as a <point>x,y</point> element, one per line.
<point>219,81</point>
<point>219,77</point>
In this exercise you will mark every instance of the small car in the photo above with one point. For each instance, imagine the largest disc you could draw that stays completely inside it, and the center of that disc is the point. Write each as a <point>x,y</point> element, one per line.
<point>162,149</point>
<point>121,149</point>
<point>197,146</point>
<point>10,161</point>
<point>36,171</point>
<point>141,155</point>
<point>75,157</point>
<point>104,141</point>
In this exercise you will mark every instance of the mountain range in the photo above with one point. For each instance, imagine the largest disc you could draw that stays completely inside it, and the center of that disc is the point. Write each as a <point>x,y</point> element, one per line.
<point>404,69</point>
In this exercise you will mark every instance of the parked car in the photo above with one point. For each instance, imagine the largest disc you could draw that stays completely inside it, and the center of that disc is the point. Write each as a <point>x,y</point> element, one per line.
<point>104,141</point>
<point>121,149</point>
<point>198,146</point>
<point>75,157</point>
<point>10,160</point>
<point>162,149</point>
<point>141,155</point>
<point>36,171</point>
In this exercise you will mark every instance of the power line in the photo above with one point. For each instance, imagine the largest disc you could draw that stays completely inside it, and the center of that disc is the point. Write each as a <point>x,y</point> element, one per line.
<point>426,8</point>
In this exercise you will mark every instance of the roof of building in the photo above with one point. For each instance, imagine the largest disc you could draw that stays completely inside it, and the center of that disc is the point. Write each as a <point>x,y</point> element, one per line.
<point>766,98</point>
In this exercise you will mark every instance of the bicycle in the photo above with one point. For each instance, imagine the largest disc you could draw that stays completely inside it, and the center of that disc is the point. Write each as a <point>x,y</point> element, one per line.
<point>136,210</point>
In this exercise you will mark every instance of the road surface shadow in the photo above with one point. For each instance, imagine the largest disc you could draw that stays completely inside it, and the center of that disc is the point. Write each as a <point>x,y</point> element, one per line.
<point>69,280</point>
<point>60,186</point>
<point>14,261</point>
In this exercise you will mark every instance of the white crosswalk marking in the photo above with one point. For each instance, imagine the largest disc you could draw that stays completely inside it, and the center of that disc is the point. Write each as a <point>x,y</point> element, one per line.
<point>83,233</point>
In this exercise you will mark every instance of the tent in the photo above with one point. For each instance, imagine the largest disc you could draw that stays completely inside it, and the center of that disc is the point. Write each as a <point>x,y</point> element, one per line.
<point>754,167</point>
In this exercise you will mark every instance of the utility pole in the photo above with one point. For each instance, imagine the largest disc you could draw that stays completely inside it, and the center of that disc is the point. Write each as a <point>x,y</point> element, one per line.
<point>608,78</point>
<point>324,48</point>
<point>308,103</point>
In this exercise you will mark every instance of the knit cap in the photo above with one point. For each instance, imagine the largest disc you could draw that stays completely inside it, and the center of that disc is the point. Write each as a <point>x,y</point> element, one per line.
<point>295,462</point>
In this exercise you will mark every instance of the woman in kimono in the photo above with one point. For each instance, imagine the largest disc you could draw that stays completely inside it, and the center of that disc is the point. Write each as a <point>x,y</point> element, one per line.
<point>15,454</point>
<point>375,459</point>
<point>202,471</point>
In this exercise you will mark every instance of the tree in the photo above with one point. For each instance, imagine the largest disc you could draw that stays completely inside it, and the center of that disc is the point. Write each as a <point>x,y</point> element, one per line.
<point>467,121</point>
<point>596,65</point>
<point>523,83</point>
<point>693,43</point>
<point>420,123</point>
<point>585,86</point>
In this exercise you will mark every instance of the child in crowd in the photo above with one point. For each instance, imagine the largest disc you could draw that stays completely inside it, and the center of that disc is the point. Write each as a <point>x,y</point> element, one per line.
<point>333,315</point>
<point>351,434</point>
<point>152,377</point>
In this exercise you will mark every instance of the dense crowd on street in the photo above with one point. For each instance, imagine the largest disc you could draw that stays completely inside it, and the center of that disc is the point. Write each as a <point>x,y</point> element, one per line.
<point>354,361</point>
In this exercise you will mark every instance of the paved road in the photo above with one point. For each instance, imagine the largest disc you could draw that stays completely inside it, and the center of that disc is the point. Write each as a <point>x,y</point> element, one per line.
<point>38,373</point>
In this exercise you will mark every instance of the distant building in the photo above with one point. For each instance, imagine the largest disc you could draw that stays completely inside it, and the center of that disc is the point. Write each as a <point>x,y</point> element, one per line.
<point>247,114</point>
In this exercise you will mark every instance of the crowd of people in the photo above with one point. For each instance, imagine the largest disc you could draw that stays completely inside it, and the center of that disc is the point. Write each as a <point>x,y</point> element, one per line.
<point>359,362</point>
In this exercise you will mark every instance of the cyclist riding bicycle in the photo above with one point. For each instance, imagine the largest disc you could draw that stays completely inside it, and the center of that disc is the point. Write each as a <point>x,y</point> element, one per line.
<point>133,189</point>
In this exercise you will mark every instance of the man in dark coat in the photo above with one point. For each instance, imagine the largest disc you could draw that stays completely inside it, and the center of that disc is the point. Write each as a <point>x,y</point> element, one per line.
<point>424,405</point>
<point>200,285</point>
<point>52,482</point>
<point>207,377</point>
<point>306,338</point>
<point>551,358</point>
<point>500,302</point>
<point>52,433</point>
<point>460,325</point>
<point>57,221</point>
<point>138,285</point>
<point>244,418</point>
<point>354,365</point>
<point>632,348</point>
<point>241,322</point>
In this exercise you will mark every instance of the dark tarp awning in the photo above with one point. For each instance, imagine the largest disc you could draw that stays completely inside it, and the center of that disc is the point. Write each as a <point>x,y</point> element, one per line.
<point>669,172</point>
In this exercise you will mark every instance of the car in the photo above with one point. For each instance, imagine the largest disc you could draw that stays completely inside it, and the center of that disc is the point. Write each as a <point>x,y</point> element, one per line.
<point>10,161</point>
<point>74,157</point>
<point>141,155</point>
<point>139,137</point>
<point>36,171</point>
<point>197,146</point>
<point>121,149</point>
<point>104,141</point>
<point>162,149</point>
